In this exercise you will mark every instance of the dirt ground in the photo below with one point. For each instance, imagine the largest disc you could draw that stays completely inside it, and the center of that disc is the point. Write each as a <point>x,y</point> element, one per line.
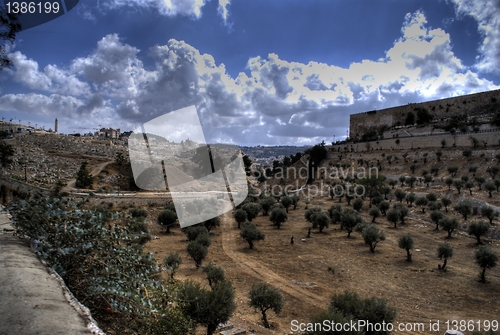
<point>312,269</point>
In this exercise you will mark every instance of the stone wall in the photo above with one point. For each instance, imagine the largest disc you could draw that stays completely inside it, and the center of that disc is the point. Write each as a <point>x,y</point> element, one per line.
<point>10,188</point>
<point>490,138</point>
<point>473,104</point>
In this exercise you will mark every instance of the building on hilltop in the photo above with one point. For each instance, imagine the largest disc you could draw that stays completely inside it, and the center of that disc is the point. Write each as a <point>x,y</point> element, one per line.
<point>108,133</point>
<point>472,105</point>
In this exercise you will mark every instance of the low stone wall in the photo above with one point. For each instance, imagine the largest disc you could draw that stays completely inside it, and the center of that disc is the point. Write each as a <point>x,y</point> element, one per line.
<point>463,140</point>
<point>9,188</point>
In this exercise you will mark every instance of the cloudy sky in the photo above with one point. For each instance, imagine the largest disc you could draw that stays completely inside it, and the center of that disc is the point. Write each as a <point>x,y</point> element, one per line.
<point>259,72</point>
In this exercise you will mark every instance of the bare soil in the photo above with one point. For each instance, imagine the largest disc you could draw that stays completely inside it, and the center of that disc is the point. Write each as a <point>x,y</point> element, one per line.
<point>309,272</point>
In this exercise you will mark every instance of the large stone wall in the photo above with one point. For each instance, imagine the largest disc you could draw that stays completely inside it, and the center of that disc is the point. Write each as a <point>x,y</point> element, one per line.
<point>472,104</point>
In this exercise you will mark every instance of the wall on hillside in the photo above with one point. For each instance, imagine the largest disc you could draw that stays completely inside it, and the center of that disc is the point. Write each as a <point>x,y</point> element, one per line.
<point>472,104</point>
<point>461,140</point>
<point>8,186</point>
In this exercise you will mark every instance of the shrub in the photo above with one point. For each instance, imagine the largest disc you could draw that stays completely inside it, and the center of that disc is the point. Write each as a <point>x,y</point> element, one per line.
<point>77,242</point>
<point>83,178</point>
<point>138,212</point>
<point>137,226</point>
<point>373,310</point>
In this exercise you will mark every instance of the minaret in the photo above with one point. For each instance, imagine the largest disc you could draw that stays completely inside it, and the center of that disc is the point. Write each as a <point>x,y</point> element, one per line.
<point>57,126</point>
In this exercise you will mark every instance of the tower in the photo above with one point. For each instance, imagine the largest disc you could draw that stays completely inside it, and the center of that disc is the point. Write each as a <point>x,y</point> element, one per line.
<point>57,126</point>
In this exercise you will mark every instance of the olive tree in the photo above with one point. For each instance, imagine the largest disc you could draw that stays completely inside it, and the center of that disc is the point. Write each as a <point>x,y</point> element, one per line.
<point>490,187</point>
<point>251,234</point>
<point>384,206</point>
<point>400,195</point>
<point>240,216</point>
<point>208,307</point>
<point>436,216</point>
<point>422,203</point>
<point>489,212</point>
<point>286,202</point>
<point>478,229</point>
<point>406,242</point>
<point>464,207</point>
<point>172,262</point>
<point>449,224</point>
<point>321,221</point>
<point>252,210</point>
<point>374,213</point>
<point>350,219</point>
<point>372,235</point>
<point>486,259</point>
<point>197,251</point>
<point>393,216</point>
<point>444,251</point>
<point>265,297</point>
<point>266,203</point>
<point>278,217</point>
<point>167,218</point>
<point>215,274</point>
<point>357,204</point>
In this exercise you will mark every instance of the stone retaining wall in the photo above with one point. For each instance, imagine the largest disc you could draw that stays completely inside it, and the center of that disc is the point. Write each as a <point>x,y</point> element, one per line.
<point>461,140</point>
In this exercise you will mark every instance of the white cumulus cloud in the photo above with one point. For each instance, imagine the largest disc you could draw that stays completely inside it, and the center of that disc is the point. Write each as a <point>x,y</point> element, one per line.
<point>486,13</point>
<point>275,102</point>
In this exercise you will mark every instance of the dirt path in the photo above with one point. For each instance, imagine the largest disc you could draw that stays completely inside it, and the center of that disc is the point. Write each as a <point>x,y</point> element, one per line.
<point>95,171</point>
<point>261,271</point>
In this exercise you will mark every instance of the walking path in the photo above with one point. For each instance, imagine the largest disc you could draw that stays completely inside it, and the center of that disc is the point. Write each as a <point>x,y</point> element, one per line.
<point>32,300</point>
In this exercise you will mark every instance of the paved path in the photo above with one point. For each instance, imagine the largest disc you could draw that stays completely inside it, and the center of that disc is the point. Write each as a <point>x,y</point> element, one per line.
<point>32,302</point>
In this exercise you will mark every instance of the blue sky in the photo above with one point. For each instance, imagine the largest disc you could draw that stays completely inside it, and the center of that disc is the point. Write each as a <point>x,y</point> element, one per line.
<point>281,72</point>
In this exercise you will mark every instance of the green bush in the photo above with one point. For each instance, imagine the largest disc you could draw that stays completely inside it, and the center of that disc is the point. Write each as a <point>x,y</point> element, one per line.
<point>349,306</point>
<point>138,212</point>
<point>75,244</point>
